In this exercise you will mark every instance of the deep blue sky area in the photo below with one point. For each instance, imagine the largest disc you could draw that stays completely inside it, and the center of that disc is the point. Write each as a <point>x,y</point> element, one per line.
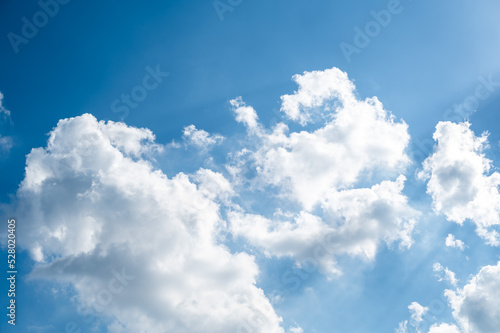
<point>431,56</point>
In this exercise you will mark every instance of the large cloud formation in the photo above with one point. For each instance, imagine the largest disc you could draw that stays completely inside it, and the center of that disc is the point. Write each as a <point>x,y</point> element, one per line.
<point>356,142</point>
<point>459,180</point>
<point>150,247</point>
<point>357,138</point>
<point>139,247</point>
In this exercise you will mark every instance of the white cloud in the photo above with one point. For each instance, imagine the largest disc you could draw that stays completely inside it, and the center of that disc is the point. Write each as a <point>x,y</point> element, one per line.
<point>358,140</point>
<point>245,114</point>
<point>200,138</point>
<point>95,208</point>
<point>296,330</point>
<point>315,90</point>
<point>5,141</point>
<point>443,328</point>
<point>402,327</point>
<point>452,242</point>
<point>355,222</point>
<point>417,311</point>
<point>96,204</point>
<point>358,143</point>
<point>3,111</point>
<point>476,307</point>
<point>459,182</point>
<point>446,275</point>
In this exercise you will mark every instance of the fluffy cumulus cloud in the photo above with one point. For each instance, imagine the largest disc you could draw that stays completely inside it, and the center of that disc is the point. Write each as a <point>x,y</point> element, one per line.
<point>460,182</point>
<point>443,328</point>
<point>451,241</point>
<point>476,307</point>
<point>417,311</point>
<point>150,247</point>
<point>316,89</point>
<point>321,169</point>
<point>357,139</point>
<point>245,114</point>
<point>200,138</point>
<point>139,247</point>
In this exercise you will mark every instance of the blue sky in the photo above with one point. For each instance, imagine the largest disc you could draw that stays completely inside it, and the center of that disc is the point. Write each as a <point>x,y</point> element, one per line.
<point>430,58</point>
